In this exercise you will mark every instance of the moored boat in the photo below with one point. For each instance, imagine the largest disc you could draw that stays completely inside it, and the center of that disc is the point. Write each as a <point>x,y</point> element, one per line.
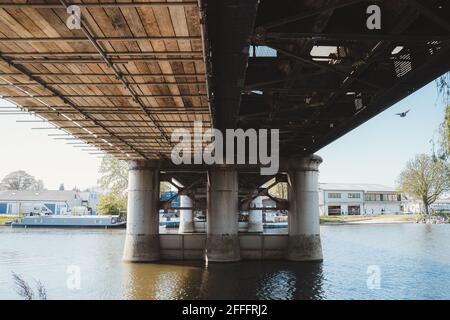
<point>69,221</point>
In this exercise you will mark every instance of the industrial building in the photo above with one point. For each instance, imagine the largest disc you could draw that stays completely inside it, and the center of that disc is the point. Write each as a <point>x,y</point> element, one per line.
<point>358,199</point>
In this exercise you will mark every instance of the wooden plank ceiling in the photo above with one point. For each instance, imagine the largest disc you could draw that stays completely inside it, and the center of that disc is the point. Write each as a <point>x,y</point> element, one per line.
<point>123,83</point>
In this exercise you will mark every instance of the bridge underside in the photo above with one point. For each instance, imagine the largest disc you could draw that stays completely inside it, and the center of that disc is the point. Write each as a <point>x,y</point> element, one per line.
<point>134,71</point>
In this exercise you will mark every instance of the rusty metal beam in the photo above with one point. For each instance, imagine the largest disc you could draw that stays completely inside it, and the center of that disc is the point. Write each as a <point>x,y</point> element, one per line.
<point>325,67</point>
<point>430,14</point>
<point>311,13</point>
<point>355,37</point>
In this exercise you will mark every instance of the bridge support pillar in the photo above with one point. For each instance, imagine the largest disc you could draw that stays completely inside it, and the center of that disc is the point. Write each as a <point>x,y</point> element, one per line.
<point>142,237</point>
<point>222,242</point>
<point>255,218</point>
<point>186,215</point>
<point>304,224</point>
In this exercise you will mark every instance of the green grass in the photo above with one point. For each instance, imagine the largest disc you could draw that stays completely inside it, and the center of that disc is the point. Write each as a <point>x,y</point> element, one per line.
<point>3,220</point>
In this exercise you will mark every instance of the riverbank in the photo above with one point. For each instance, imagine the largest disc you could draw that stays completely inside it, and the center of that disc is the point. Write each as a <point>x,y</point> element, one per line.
<point>409,218</point>
<point>398,218</point>
<point>5,220</point>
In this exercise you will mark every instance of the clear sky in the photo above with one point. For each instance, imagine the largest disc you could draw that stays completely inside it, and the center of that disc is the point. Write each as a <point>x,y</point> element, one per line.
<point>375,152</point>
<point>378,150</point>
<point>53,161</point>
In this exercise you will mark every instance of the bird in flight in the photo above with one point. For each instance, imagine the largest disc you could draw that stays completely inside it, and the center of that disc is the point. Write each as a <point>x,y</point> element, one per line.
<point>402,114</point>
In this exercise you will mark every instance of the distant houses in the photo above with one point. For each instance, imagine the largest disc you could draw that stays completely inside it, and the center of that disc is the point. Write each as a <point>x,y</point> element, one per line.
<point>13,202</point>
<point>334,199</point>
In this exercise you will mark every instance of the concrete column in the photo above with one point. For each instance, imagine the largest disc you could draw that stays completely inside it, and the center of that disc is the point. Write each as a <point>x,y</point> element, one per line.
<point>255,218</point>
<point>186,215</point>
<point>304,224</point>
<point>142,238</point>
<point>222,244</point>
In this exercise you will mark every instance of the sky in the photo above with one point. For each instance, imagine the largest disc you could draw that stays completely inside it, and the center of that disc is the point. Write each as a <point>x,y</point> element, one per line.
<point>375,152</point>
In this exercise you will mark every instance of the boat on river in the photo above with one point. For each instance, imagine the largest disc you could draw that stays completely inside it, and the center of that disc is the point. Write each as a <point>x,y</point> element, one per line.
<point>69,221</point>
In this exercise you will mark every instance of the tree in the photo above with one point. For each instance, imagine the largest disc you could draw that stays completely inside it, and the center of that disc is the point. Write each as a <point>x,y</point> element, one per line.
<point>444,136</point>
<point>20,180</point>
<point>114,175</point>
<point>425,179</point>
<point>443,86</point>
<point>280,190</point>
<point>111,204</point>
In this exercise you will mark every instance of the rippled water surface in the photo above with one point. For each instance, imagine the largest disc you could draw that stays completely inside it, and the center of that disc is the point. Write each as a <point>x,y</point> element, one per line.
<point>413,261</point>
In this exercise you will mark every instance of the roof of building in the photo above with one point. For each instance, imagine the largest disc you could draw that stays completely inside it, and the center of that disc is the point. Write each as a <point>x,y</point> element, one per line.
<point>43,195</point>
<point>366,187</point>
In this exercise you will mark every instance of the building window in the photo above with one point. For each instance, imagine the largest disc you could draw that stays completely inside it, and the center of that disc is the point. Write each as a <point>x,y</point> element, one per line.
<point>334,210</point>
<point>334,195</point>
<point>354,195</point>
<point>373,197</point>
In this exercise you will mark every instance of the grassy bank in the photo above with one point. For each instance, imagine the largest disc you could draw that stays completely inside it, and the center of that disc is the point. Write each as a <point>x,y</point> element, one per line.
<point>403,218</point>
<point>4,220</point>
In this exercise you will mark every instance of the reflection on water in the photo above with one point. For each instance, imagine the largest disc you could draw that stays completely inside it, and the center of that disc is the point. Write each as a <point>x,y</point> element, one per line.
<point>248,280</point>
<point>413,260</point>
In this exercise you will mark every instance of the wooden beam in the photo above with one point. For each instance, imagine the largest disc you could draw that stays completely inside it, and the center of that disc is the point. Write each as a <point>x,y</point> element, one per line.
<point>119,5</point>
<point>101,39</point>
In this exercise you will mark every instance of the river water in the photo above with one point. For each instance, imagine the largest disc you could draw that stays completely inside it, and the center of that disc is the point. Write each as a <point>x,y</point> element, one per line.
<point>393,261</point>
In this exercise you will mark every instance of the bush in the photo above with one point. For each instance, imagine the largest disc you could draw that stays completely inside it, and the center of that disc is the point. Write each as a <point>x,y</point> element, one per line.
<point>111,204</point>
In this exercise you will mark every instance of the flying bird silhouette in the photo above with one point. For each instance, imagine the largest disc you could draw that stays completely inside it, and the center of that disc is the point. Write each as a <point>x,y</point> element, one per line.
<point>402,114</point>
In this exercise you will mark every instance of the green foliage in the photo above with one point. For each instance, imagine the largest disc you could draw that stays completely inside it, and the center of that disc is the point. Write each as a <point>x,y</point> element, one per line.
<point>114,176</point>
<point>112,204</point>
<point>280,190</point>
<point>443,86</point>
<point>425,179</point>
<point>164,187</point>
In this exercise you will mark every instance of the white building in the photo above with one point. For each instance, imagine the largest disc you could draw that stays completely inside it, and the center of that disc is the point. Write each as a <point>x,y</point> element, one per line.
<point>416,206</point>
<point>90,199</point>
<point>13,202</point>
<point>358,199</point>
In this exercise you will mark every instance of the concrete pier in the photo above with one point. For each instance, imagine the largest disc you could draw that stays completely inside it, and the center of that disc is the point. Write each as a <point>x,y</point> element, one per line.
<point>142,237</point>
<point>304,225</point>
<point>255,218</point>
<point>186,215</point>
<point>222,243</point>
